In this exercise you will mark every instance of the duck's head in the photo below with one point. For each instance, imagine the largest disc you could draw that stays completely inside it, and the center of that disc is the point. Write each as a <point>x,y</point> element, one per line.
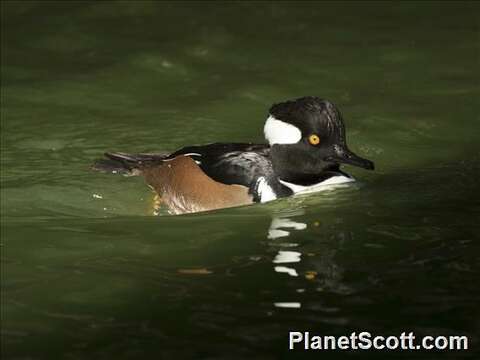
<point>307,139</point>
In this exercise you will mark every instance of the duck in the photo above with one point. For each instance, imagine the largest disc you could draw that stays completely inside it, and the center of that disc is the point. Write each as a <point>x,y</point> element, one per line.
<point>304,150</point>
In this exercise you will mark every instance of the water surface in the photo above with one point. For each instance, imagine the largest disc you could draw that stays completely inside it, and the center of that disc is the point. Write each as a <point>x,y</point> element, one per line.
<point>88,272</point>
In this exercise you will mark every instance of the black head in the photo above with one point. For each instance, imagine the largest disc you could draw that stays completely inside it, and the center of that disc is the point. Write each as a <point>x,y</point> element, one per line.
<point>307,138</point>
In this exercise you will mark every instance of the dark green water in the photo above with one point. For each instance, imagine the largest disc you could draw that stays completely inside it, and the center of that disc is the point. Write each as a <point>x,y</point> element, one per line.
<point>88,273</point>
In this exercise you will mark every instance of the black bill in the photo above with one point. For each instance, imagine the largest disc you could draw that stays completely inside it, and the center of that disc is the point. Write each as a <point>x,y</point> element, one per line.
<point>344,156</point>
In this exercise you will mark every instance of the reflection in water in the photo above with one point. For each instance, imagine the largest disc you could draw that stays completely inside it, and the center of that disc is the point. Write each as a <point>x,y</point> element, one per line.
<point>291,305</point>
<point>280,228</point>
<point>296,261</point>
<point>278,225</point>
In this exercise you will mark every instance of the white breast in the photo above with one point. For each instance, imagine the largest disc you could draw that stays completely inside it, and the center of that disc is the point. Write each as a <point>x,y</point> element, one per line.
<point>329,184</point>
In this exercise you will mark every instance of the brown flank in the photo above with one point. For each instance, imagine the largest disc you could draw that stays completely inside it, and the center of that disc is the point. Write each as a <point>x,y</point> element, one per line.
<point>184,188</point>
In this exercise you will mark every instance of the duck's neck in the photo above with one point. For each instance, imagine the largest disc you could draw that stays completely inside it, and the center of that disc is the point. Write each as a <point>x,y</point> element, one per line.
<point>300,168</point>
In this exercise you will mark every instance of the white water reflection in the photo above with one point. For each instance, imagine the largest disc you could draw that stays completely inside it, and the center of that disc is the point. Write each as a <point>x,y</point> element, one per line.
<point>280,228</point>
<point>291,305</point>
<point>286,270</point>
<point>287,257</point>
<point>279,224</point>
<point>306,262</point>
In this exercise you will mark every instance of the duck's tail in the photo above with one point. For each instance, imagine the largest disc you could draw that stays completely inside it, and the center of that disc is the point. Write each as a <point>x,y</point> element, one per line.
<point>127,164</point>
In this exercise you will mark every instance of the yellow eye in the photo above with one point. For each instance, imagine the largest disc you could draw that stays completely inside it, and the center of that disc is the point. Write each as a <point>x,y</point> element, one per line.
<point>314,139</point>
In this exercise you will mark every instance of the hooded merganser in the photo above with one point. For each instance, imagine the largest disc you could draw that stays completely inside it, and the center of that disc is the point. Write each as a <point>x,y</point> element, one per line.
<point>306,145</point>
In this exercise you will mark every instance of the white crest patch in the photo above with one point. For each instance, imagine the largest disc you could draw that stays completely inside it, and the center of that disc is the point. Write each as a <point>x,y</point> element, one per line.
<point>279,132</point>
<point>329,184</point>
